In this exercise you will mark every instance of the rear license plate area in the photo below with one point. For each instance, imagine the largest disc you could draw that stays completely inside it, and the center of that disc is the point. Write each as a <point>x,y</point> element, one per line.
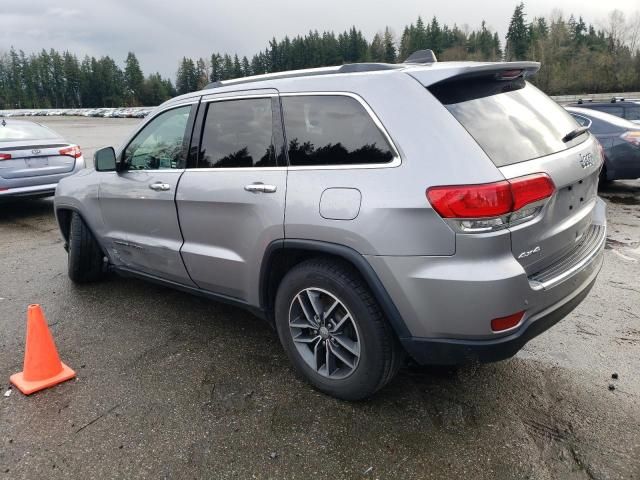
<point>38,162</point>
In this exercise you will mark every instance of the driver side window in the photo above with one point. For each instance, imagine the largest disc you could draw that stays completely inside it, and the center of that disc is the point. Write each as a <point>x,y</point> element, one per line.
<point>159,145</point>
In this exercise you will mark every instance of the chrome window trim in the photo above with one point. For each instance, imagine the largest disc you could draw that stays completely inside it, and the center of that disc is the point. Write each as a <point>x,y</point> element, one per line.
<point>589,121</point>
<point>395,162</point>
<point>239,97</point>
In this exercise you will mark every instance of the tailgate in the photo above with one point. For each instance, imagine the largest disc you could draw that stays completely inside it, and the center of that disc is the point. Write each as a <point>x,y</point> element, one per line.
<point>566,217</point>
<point>524,132</point>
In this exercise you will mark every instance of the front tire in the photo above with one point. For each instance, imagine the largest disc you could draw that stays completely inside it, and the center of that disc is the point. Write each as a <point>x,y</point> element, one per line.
<point>85,256</point>
<point>334,331</point>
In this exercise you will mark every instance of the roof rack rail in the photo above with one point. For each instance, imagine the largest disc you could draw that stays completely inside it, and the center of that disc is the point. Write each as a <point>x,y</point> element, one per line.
<point>422,56</point>
<point>346,68</point>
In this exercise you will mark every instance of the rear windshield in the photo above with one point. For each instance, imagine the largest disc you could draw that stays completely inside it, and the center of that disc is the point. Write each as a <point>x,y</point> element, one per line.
<point>16,132</point>
<point>512,121</point>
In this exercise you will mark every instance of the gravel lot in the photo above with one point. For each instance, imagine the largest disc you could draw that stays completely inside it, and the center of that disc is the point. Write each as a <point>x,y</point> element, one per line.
<point>171,385</point>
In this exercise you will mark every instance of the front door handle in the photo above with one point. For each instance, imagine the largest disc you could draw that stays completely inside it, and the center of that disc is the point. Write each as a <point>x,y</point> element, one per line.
<point>260,187</point>
<point>160,187</point>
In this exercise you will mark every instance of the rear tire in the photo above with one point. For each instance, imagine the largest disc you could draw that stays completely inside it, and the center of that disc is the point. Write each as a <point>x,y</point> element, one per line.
<point>85,256</point>
<point>319,284</point>
<point>603,176</point>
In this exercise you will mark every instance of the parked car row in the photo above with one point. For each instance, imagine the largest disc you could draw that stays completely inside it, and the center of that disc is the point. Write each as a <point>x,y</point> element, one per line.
<point>129,112</point>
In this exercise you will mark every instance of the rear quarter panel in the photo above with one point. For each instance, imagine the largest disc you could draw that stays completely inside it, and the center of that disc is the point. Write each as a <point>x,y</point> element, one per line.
<point>395,217</point>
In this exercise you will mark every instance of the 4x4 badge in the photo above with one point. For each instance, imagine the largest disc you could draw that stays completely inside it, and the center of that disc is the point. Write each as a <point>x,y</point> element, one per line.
<point>586,159</point>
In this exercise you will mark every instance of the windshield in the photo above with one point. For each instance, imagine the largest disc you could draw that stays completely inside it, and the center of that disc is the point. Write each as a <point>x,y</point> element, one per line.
<point>512,121</point>
<point>16,132</point>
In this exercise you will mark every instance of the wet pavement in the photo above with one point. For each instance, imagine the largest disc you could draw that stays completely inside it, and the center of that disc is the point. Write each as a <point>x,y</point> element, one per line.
<point>171,386</point>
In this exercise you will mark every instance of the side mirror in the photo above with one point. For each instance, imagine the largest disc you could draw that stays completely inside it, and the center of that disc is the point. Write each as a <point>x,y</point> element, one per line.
<point>104,160</point>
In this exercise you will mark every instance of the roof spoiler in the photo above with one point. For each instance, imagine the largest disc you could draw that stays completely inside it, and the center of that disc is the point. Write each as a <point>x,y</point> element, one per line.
<point>455,71</point>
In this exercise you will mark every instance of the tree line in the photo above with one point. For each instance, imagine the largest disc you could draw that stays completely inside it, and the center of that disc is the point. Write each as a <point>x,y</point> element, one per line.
<point>576,58</point>
<point>51,79</point>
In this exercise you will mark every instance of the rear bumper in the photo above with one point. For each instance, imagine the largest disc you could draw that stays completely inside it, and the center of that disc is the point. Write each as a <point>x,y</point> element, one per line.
<point>458,352</point>
<point>35,191</point>
<point>447,303</point>
<point>36,186</point>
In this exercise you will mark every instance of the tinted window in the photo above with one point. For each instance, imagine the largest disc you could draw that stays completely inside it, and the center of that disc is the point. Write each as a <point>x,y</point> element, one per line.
<point>632,113</point>
<point>512,121</point>
<point>238,133</point>
<point>332,130</point>
<point>160,143</point>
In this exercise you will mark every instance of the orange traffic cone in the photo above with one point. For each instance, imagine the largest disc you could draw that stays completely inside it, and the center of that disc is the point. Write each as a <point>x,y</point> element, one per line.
<point>42,365</point>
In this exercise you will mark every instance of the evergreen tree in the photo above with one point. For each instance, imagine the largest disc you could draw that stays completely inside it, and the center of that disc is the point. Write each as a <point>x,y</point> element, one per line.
<point>390,55</point>
<point>202,74</point>
<point>186,78</point>
<point>246,67</point>
<point>237,67</point>
<point>133,79</point>
<point>517,35</point>
<point>376,49</point>
<point>215,74</point>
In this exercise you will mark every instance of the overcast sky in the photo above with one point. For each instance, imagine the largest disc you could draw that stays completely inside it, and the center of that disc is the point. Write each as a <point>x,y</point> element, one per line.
<point>161,33</point>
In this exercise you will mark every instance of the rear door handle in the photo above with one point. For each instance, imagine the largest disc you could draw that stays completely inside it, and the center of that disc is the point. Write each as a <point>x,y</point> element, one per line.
<point>260,187</point>
<point>160,187</point>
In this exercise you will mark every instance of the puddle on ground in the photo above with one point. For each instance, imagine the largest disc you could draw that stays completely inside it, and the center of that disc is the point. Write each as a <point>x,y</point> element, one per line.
<point>611,244</point>
<point>623,200</point>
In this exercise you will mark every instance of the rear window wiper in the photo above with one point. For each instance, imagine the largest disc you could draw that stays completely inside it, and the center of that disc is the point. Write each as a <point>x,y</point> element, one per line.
<point>574,133</point>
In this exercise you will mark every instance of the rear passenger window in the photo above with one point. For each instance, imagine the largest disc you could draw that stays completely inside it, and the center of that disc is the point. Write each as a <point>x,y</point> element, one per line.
<point>332,130</point>
<point>238,133</point>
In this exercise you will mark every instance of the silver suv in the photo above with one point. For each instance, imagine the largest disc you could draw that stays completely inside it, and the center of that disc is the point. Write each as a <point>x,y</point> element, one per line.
<point>447,211</point>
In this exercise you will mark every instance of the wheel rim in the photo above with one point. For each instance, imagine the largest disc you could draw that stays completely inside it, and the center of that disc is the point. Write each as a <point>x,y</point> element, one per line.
<point>324,333</point>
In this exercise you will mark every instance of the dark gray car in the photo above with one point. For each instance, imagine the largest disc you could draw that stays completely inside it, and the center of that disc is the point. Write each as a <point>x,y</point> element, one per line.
<point>33,159</point>
<point>620,140</point>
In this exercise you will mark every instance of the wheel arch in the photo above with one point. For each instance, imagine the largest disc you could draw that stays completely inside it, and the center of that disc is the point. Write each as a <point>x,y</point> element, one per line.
<point>282,255</point>
<point>63,214</point>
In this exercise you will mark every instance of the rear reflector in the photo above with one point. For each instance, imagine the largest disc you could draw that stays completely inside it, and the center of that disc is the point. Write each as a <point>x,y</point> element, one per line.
<point>490,199</point>
<point>72,151</point>
<point>505,323</point>
<point>5,156</point>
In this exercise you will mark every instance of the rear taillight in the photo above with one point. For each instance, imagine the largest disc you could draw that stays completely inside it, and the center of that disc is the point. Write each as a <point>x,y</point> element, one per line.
<point>530,189</point>
<point>5,156</point>
<point>491,205</point>
<point>631,136</point>
<point>72,151</point>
